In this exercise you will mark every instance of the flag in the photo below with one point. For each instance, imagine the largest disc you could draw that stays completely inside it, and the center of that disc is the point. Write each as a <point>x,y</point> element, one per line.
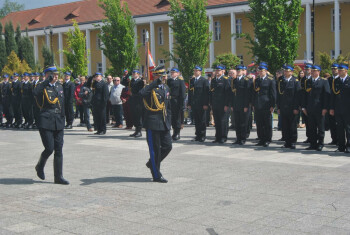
<point>151,65</point>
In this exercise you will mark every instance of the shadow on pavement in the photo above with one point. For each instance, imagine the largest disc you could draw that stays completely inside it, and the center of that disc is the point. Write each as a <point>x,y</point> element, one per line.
<point>9,181</point>
<point>116,179</point>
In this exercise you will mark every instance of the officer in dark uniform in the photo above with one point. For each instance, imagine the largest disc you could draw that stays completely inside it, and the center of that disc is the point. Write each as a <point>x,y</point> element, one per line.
<point>240,87</point>
<point>315,106</point>
<point>16,100</point>
<point>6,96</point>
<point>264,100</point>
<point>125,96</point>
<point>303,87</point>
<point>178,95</point>
<point>288,102</point>
<point>156,99</point>
<point>36,109</point>
<point>68,88</point>
<point>340,108</point>
<point>50,97</point>
<point>198,102</point>
<point>1,109</point>
<point>99,103</point>
<point>27,101</point>
<point>330,122</point>
<point>220,101</point>
<point>136,104</point>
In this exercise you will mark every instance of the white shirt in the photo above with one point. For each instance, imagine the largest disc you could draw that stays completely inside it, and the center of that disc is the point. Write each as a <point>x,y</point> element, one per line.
<point>343,79</point>
<point>288,79</point>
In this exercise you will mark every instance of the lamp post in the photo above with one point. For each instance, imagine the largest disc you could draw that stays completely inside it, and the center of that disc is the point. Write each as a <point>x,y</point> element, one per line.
<point>147,72</point>
<point>313,31</point>
<point>51,33</point>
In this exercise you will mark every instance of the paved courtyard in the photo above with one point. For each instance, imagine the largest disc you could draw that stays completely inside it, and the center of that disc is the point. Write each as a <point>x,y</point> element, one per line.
<point>212,189</point>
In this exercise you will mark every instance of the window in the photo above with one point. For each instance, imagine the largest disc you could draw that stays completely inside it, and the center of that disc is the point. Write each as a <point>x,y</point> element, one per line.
<point>99,67</point>
<point>238,28</point>
<point>217,31</point>
<point>333,22</point>
<point>333,54</point>
<point>312,22</point>
<point>241,57</point>
<point>161,62</point>
<point>160,36</point>
<point>98,43</point>
<point>142,69</point>
<point>144,37</point>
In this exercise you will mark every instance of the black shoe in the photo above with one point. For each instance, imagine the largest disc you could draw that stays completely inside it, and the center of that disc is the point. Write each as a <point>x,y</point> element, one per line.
<point>259,144</point>
<point>311,148</point>
<point>281,139</point>
<point>148,164</point>
<point>347,150</point>
<point>236,142</point>
<point>201,139</point>
<point>102,133</point>
<point>286,146</point>
<point>176,137</point>
<point>292,146</point>
<point>340,150</point>
<point>57,168</point>
<point>215,141</point>
<point>68,127</point>
<point>138,134</point>
<point>197,138</point>
<point>221,141</point>
<point>132,135</point>
<point>307,141</point>
<point>97,133</point>
<point>160,180</point>
<point>333,143</point>
<point>40,167</point>
<point>266,144</point>
<point>319,147</point>
<point>242,142</point>
<point>61,180</point>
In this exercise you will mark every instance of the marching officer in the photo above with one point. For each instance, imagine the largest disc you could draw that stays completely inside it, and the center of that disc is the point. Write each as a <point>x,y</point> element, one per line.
<point>220,101</point>
<point>264,100</point>
<point>330,120</point>
<point>136,104</point>
<point>316,104</point>
<point>16,100</point>
<point>99,103</point>
<point>198,102</point>
<point>240,87</point>
<point>6,96</point>
<point>68,88</point>
<point>288,101</point>
<point>27,101</point>
<point>50,97</point>
<point>178,94</point>
<point>156,99</point>
<point>340,107</point>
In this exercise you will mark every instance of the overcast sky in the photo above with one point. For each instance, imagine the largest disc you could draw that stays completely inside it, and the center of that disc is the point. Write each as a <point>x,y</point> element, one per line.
<point>31,4</point>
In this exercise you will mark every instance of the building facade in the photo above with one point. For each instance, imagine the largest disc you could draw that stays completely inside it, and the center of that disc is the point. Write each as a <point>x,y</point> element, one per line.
<point>48,26</point>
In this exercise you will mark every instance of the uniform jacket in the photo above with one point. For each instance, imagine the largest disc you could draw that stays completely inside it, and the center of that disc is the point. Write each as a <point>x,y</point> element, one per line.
<point>240,96</point>
<point>157,120</point>
<point>136,86</point>
<point>198,92</point>
<point>27,91</point>
<point>264,93</point>
<point>6,94</point>
<point>220,92</point>
<point>288,94</point>
<point>69,88</point>
<point>16,90</point>
<point>317,95</point>
<point>51,113</point>
<point>177,89</point>
<point>340,96</point>
<point>100,93</point>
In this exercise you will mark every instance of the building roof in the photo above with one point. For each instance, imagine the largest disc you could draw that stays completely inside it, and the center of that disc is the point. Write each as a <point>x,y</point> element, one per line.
<point>88,11</point>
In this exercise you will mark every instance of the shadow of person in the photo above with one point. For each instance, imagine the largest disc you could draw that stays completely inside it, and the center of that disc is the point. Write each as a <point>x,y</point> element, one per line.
<point>116,179</point>
<point>9,181</point>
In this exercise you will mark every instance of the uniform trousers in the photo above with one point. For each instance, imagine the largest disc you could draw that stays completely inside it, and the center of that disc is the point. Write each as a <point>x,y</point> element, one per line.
<point>7,108</point>
<point>69,111</point>
<point>136,106</point>
<point>241,123</point>
<point>176,110</point>
<point>343,130</point>
<point>289,127</point>
<point>99,112</point>
<point>27,110</point>
<point>330,124</point>
<point>160,145</point>
<point>263,124</point>
<point>52,141</point>
<point>86,109</point>
<point>200,122</point>
<point>316,127</point>
<point>221,122</point>
<point>16,106</point>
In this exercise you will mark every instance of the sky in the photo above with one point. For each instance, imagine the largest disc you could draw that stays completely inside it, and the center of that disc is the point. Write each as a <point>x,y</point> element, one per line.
<point>31,4</point>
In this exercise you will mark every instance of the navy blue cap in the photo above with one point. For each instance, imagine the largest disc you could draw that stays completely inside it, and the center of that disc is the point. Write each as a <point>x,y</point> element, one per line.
<point>50,69</point>
<point>42,74</point>
<point>15,74</point>
<point>32,74</point>
<point>316,67</point>
<point>334,66</point>
<point>244,67</point>
<point>97,74</point>
<point>136,71</point>
<point>5,75</point>
<point>26,74</point>
<point>263,64</point>
<point>239,67</point>
<point>175,70</point>
<point>220,67</point>
<point>288,68</point>
<point>11,77</point>
<point>37,74</point>
<point>261,67</point>
<point>343,67</point>
<point>308,66</point>
<point>67,73</point>
<point>198,68</point>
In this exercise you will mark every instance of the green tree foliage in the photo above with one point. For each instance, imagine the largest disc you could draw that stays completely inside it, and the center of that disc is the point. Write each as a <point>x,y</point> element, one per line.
<point>326,61</point>
<point>76,53</point>
<point>14,64</point>
<point>229,60</point>
<point>18,34</point>
<point>3,54</point>
<point>48,56</point>
<point>190,28</point>
<point>9,6</point>
<point>118,36</point>
<point>26,51</point>
<point>276,37</point>
<point>10,41</point>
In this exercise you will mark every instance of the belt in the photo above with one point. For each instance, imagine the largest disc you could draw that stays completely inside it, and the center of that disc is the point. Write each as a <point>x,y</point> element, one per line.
<point>56,110</point>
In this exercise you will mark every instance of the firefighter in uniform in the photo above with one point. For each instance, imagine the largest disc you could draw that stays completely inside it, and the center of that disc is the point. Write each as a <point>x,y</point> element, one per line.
<point>125,96</point>
<point>50,97</point>
<point>16,100</point>
<point>156,99</point>
<point>330,122</point>
<point>6,96</point>
<point>136,104</point>
<point>340,107</point>
<point>36,109</point>
<point>178,95</point>
<point>68,88</point>
<point>27,101</point>
<point>303,84</point>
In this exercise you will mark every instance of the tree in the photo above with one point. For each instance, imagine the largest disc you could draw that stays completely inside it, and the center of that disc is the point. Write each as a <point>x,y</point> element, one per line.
<point>3,54</point>
<point>229,60</point>
<point>26,51</point>
<point>18,34</point>
<point>76,54</point>
<point>326,61</point>
<point>190,28</point>
<point>118,36</point>
<point>10,41</point>
<point>48,56</point>
<point>276,34</point>
<point>14,64</point>
<point>9,7</point>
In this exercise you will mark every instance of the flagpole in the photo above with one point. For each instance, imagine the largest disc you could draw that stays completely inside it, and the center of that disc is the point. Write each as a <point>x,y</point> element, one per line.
<point>147,73</point>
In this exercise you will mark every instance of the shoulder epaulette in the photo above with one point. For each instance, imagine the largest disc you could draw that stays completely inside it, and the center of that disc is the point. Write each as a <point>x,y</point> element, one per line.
<point>271,78</point>
<point>181,78</point>
<point>297,80</point>
<point>324,78</point>
<point>225,77</point>
<point>246,78</point>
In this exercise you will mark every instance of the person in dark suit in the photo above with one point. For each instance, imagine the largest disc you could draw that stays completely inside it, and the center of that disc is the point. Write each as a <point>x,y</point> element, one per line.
<point>288,102</point>
<point>27,101</point>
<point>68,87</point>
<point>6,96</point>
<point>136,104</point>
<point>240,98</point>
<point>125,81</point>
<point>303,83</point>
<point>50,97</point>
<point>99,103</point>
<point>340,108</point>
<point>178,94</point>
<point>198,102</point>
<point>36,109</point>
<point>330,121</point>
<point>220,101</point>
<point>156,99</point>
<point>315,106</point>
<point>264,100</point>
<point>16,101</point>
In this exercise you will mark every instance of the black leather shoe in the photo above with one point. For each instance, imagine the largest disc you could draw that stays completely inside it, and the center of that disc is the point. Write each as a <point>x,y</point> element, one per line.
<point>306,141</point>
<point>102,133</point>
<point>311,148</point>
<point>68,127</point>
<point>333,143</point>
<point>148,164</point>
<point>281,139</point>
<point>160,180</point>
<point>259,144</point>
<point>97,133</point>
<point>176,137</point>
<point>224,140</point>
<point>215,141</point>
<point>132,135</point>
<point>221,141</point>
<point>286,146</point>
<point>201,139</point>
<point>320,147</point>
<point>138,134</point>
<point>195,139</point>
<point>266,144</point>
<point>242,142</point>
<point>292,146</point>
<point>347,150</point>
<point>236,142</point>
<point>61,180</point>
<point>340,150</point>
